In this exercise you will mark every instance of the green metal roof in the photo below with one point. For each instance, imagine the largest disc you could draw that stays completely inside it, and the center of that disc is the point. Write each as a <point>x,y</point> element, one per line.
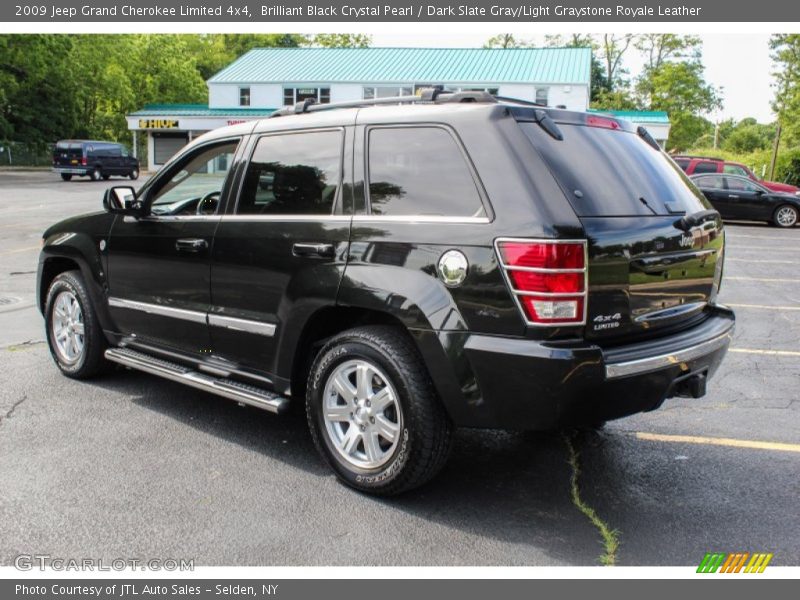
<point>198,110</point>
<point>639,116</point>
<point>410,65</point>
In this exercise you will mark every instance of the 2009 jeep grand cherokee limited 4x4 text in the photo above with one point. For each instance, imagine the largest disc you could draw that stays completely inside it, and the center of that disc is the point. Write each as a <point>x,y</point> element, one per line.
<point>402,267</point>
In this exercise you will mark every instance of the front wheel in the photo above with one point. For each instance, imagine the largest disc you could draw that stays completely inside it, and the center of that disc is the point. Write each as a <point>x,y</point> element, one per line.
<point>785,216</point>
<point>74,334</point>
<point>373,412</point>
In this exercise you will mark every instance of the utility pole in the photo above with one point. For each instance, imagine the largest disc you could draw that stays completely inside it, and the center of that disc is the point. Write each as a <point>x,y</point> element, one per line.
<point>775,152</point>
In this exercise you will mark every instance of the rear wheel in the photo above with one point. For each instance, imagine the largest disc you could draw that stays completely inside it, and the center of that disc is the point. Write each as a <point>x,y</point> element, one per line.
<point>74,334</point>
<point>785,216</point>
<point>66,176</point>
<point>106,177</point>
<point>134,174</point>
<point>373,412</point>
<point>95,174</point>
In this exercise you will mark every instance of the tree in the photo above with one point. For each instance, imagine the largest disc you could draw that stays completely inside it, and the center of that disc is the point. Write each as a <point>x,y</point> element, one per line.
<point>661,47</point>
<point>613,47</point>
<point>341,40</point>
<point>507,40</point>
<point>786,54</point>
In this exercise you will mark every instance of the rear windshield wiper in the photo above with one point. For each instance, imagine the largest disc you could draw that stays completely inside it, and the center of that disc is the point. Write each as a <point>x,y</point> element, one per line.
<point>695,219</point>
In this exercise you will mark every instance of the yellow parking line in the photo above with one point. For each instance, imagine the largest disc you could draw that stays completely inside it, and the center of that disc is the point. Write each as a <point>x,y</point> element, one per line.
<point>713,441</point>
<point>766,352</point>
<point>764,306</point>
<point>771,262</point>
<point>18,250</point>
<point>772,279</point>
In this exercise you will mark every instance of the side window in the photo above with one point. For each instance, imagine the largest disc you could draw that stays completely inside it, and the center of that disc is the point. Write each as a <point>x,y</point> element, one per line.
<point>705,167</point>
<point>683,163</point>
<point>195,187</point>
<point>709,181</point>
<point>741,185</point>
<point>734,170</point>
<point>420,171</point>
<point>293,174</point>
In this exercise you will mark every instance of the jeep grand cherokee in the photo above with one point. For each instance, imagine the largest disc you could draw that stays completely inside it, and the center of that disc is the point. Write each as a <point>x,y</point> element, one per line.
<point>402,267</point>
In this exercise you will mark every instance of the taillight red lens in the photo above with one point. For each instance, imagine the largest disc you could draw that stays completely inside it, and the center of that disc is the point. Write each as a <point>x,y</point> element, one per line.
<point>83,161</point>
<point>548,278</point>
<point>549,283</point>
<point>542,255</point>
<point>603,122</point>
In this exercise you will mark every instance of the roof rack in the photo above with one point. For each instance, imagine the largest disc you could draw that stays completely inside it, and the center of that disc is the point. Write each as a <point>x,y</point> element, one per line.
<point>434,95</point>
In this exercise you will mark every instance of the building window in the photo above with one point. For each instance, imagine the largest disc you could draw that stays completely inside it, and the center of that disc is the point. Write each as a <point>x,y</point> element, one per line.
<point>541,96</point>
<point>386,91</point>
<point>244,96</point>
<point>293,95</point>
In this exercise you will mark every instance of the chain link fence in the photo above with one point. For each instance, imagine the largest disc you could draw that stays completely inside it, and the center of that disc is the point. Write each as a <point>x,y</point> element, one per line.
<point>19,154</point>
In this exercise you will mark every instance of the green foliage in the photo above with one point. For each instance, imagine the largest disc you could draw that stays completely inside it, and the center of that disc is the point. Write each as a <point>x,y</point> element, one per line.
<point>786,54</point>
<point>507,40</point>
<point>63,86</point>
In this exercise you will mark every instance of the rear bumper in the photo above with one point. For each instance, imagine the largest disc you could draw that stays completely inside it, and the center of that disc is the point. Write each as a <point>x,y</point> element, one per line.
<point>525,384</point>
<point>71,170</point>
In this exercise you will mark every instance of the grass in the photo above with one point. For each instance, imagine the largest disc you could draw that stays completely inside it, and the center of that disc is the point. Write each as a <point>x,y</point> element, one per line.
<point>610,536</point>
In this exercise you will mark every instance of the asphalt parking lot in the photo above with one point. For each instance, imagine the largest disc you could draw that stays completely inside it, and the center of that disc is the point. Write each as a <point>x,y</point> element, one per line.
<point>137,467</point>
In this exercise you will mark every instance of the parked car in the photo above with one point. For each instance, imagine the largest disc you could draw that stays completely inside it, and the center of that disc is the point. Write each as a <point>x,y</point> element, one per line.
<point>696,165</point>
<point>737,197</point>
<point>400,270</point>
<point>93,159</point>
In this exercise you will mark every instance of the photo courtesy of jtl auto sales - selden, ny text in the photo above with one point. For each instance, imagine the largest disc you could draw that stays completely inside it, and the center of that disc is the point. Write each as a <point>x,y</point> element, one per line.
<point>397,299</point>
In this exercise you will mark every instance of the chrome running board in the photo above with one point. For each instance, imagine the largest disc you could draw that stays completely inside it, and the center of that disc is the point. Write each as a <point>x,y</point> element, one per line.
<point>227,388</point>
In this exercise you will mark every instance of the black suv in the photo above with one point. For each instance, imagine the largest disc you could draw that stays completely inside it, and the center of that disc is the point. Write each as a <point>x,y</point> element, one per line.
<point>402,269</point>
<point>93,159</point>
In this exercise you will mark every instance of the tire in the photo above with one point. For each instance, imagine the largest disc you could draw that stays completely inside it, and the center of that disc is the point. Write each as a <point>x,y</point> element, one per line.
<point>134,175</point>
<point>96,174</point>
<point>106,177</point>
<point>409,407</point>
<point>84,358</point>
<point>66,177</point>
<point>785,216</point>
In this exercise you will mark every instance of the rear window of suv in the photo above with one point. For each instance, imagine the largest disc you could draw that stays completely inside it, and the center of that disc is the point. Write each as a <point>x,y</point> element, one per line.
<point>606,172</point>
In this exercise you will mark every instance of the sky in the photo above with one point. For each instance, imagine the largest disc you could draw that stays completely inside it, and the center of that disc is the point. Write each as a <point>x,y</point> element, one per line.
<point>739,63</point>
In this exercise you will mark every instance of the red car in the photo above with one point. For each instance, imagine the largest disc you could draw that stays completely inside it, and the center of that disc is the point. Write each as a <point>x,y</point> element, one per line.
<point>695,165</point>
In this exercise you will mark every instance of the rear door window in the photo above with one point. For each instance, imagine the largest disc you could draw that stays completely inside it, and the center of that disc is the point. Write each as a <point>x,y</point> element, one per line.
<point>683,163</point>
<point>705,167</point>
<point>709,182</point>
<point>420,171</point>
<point>606,172</point>
<point>293,174</point>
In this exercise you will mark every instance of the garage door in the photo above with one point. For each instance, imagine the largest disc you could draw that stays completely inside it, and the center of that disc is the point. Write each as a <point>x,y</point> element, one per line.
<point>167,144</point>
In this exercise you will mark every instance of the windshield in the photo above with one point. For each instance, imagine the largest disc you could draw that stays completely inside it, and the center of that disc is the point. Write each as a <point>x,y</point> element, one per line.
<point>606,172</point>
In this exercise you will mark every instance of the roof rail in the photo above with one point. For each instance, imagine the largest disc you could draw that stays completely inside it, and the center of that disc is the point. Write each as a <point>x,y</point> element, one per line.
<point>435,95</point>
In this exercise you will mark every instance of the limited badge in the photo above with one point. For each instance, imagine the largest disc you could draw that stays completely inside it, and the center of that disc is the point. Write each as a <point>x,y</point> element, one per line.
<point>453,266</point>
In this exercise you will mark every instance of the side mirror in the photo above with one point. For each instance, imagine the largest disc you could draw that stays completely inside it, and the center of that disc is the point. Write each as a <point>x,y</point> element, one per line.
<point>122,199</point>
<point>760,192</point>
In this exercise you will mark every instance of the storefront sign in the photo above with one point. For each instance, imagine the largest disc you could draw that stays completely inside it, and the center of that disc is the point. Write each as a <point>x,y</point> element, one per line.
<point>158,124</point>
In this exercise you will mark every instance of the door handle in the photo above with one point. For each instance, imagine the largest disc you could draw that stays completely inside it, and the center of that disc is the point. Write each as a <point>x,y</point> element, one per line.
<point>314,250</point>
<point>732,196</point>
<point>191,245</point>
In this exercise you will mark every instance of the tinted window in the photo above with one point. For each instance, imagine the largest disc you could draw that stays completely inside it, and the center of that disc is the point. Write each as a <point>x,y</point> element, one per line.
<point>293,174</point>
<point>734,170</point>
<point>709,182</point>
<point>609,173</point>
<point>420,171</point>
<point>683,163</point>
<point>741,185</point>
<point>705,167</point>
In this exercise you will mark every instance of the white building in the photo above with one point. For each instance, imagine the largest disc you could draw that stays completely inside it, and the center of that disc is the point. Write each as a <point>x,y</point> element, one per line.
<point>266,79</point>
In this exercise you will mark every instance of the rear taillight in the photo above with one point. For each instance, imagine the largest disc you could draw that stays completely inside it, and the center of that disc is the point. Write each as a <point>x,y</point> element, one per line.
<point>83,161</point>
<point>547,278</point>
